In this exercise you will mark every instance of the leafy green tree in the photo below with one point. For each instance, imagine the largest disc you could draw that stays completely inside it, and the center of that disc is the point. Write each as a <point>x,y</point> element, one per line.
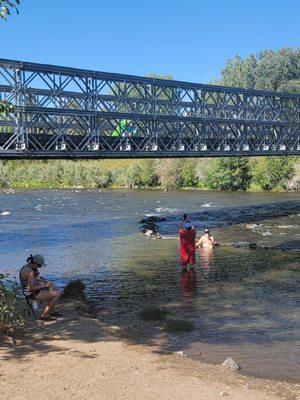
<point>169,172</point>
<point>149,175</point>
<point>277,70</point>
<point>239,72</point>
<point>272,172</point>
<point>7,6</point>
<point>232,173</point>
<point>189,173</point>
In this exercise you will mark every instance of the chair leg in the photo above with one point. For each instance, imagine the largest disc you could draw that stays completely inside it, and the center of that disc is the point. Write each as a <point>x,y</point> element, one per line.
<point>31,308</point>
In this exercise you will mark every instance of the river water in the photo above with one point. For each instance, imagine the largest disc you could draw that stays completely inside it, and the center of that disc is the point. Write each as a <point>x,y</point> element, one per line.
<point>245,303</point>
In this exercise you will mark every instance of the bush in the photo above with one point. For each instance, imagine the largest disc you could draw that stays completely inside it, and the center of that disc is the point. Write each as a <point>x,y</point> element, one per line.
<point>12,320</point>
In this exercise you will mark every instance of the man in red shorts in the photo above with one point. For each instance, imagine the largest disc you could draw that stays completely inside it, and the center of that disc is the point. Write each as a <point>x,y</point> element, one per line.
<point>187,236</point>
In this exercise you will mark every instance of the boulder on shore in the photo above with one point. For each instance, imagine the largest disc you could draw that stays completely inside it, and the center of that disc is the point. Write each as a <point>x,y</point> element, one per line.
<point>230,363</point>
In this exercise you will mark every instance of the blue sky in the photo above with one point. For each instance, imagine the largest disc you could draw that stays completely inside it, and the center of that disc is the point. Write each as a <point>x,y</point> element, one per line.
<point>190,39</point>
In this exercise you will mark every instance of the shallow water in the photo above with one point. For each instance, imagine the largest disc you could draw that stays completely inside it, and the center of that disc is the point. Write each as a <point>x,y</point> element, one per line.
<point>244,304</point>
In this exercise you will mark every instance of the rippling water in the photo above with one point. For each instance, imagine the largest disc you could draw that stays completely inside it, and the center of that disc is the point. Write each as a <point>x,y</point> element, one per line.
<point>244,303</point>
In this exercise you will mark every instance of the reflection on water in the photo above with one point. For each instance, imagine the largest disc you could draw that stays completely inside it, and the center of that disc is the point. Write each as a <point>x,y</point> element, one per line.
<point>206,257</point>
<point>243,303</point>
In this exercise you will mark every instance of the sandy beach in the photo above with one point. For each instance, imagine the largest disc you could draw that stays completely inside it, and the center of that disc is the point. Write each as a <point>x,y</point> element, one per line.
<point>77,357</point>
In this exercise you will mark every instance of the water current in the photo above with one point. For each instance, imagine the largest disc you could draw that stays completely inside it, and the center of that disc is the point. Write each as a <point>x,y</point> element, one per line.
<point>245,303</point>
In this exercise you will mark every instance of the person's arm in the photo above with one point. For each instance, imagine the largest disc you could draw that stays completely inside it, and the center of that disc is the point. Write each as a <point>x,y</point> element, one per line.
<point>32,286</point>
<point>199,243</point>
<point>212,240</point>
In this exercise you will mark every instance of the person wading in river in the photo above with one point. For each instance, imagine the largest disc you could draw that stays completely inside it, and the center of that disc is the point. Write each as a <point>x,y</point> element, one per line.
<point>206,247</point>
<point>36,287</point>
<point>206,241</point>
<point>187,235</point>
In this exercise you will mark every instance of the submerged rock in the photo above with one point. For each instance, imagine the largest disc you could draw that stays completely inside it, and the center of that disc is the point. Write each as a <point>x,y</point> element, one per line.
<point>248,245</point>
<point>153,218</point>
<point>230,363</point>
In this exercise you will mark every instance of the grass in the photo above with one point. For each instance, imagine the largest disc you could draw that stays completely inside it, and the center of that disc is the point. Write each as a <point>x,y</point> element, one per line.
<point>179,325</point>
<point>154,313</point>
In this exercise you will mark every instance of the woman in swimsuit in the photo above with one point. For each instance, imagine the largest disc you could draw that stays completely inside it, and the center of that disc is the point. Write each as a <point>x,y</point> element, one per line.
<point>37,288</point>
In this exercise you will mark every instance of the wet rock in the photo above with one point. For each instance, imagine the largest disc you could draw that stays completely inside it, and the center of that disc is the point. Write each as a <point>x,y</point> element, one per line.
<point>150,228</point>
<point>252,246</point>
<point>230,363</point>
<point>153,218</point>
<point>74,290</point>
<point>149,232</point>
<point>241,244</point>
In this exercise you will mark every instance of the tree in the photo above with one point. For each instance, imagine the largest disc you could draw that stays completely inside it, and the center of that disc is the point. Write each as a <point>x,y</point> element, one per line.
<point>272,172</point>
<point>189,173</point>
<point>7,6</point>
<point>277,70</point>
<point>232,173</point>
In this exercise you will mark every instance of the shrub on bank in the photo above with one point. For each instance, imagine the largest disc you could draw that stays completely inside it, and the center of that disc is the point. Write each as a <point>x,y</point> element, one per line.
<point>12,320</point>
<point>232,173</point>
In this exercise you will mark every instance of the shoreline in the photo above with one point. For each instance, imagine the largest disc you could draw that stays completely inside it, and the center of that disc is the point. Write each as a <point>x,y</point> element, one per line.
<point>147,188</point>
<point>54,356</point>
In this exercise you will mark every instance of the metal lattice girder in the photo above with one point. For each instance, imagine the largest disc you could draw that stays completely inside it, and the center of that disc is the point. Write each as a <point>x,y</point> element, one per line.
<point>65,112</point>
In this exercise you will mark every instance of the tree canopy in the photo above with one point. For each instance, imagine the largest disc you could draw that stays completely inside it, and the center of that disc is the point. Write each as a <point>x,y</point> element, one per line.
<point>277,70</point>
<point>7,6</point>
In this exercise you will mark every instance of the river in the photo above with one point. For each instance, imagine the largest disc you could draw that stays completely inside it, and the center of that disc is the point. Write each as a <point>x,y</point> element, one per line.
<point>245,303</point>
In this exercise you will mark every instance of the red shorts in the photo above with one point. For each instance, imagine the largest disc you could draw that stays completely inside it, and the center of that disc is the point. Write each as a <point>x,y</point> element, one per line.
<point>187,259</point>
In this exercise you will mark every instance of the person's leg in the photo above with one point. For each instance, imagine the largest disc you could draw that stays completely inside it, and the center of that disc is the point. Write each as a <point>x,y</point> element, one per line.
<point>52,296</point>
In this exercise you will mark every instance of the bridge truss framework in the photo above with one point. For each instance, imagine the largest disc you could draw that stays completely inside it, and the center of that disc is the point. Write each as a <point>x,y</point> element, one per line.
<point>64,112</point>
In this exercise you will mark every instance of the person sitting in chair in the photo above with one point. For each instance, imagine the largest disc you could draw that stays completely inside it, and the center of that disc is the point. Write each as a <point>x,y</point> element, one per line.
<point>37,288</point>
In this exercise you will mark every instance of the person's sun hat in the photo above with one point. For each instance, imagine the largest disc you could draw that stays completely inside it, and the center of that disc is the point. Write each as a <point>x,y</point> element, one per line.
<point>38,259</point>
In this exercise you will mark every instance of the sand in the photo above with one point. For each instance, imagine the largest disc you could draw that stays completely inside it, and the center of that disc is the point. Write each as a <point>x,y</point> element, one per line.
<point>82,358</point>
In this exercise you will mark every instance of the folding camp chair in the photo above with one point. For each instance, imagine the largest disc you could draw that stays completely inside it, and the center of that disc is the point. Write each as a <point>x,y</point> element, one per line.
<point>29,300</point>
<point>30,307</point>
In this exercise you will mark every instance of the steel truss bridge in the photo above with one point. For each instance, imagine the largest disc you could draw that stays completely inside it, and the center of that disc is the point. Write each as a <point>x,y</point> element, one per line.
<point>64,112</point>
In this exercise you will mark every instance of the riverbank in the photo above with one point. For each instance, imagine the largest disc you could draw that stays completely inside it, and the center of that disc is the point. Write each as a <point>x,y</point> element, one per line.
<point>253,174</point>
<point>84,358</point>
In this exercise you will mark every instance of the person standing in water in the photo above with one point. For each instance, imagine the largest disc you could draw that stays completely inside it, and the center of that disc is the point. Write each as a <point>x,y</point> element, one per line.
<point>206,245</point>
<point>187,235</point>
<point>206,240</point>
